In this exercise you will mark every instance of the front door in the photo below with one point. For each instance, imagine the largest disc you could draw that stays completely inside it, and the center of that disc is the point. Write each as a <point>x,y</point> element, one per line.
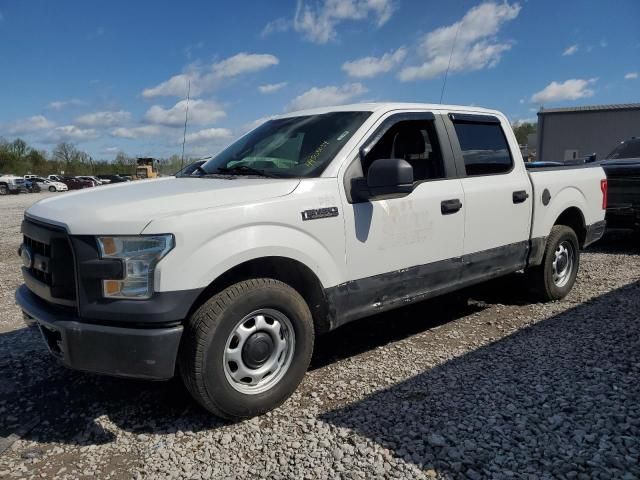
<point>401,249</point>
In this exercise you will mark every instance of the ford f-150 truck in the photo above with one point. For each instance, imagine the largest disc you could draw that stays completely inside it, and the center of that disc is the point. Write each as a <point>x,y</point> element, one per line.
<point>310,221</point>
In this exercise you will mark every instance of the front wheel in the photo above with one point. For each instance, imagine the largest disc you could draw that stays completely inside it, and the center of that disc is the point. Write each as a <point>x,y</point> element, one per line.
<point>52,189</point>
<point>4,190</point>
<point>555,277</point>
<point>246,350</point>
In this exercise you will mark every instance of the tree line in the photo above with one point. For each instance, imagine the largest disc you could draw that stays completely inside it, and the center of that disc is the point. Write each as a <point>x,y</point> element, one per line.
<point>20,159</point>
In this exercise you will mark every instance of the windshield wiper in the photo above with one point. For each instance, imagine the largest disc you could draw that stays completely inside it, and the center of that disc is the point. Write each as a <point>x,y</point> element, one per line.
<point>245,170</point>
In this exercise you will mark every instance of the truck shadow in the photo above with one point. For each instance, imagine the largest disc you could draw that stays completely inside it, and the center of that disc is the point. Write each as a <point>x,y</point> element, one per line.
<point>76,408</point>
<point>556,386</point>
<point>494,386</point>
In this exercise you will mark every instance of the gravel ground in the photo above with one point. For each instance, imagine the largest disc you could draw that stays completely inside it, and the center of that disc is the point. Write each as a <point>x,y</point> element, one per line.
<point>495,388</point>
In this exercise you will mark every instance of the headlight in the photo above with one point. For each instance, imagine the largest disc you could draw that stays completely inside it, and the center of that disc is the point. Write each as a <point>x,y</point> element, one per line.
<point>139,255</point>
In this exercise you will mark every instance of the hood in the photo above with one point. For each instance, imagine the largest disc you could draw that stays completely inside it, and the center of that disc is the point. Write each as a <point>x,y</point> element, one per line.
<point>126,208</point>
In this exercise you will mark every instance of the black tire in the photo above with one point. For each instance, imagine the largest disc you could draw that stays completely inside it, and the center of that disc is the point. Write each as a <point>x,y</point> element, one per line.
<point>52,189</point>
<point>4,190</point>
<point>542,277</point>
<point>201,361</point>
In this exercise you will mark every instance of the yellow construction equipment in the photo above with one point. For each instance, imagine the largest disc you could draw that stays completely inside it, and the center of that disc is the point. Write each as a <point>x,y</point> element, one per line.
<point>146,167</point>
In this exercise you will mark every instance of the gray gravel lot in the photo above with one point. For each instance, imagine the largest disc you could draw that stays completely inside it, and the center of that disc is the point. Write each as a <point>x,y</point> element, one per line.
<point>494,388</point>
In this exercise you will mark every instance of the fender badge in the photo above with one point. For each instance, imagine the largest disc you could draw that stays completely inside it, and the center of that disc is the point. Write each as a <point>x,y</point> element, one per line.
<point>317,213</point>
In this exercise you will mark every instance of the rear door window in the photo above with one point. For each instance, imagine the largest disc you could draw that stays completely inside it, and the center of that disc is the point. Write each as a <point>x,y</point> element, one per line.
<point>484,148</point>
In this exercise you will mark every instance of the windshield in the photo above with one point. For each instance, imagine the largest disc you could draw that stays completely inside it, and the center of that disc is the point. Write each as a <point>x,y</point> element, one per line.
<point>288,147</point>
<point>628,149</point>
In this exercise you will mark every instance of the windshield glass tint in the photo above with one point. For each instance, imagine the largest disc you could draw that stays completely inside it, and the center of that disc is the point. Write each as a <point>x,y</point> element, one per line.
<point>289,147</point>
<point>629,149</point>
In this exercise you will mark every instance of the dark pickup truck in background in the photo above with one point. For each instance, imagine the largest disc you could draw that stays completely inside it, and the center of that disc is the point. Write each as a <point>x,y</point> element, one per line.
<point>622,167</point>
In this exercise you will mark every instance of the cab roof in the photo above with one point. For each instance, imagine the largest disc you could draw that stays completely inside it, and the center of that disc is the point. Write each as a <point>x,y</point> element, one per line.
<point>388,106</point>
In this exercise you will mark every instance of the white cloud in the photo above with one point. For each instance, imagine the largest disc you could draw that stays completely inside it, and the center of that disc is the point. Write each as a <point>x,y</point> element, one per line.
<point>206,78</point>
<point>325,96</point>
<point>200,112</point>
<point>110,150</point>
<point>570,51</point>
<point>207,135</point>
<point>572,89</point>
<point>103,119</point>
<point>277,25</point>
<point>476,46</point>
<point>368,67</point>
<point>631,76</point>
<point>272,87</point>
<point>29,125</point>
<point>520,121</point>
<point>318,22</point>
<point>60,104</point>
<point>189,49</point>
<point>70,133</point>
<point>256,123</point>
<point>137,132</point>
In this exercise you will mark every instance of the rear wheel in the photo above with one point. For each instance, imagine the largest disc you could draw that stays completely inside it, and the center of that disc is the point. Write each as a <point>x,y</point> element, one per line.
<point>3,190</point>
<point>554,278</point>
<point>246,350</point>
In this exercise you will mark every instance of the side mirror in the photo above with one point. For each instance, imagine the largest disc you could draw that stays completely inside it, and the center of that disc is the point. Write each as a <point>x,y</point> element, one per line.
<point>390,176</point>
<point>591,158</point>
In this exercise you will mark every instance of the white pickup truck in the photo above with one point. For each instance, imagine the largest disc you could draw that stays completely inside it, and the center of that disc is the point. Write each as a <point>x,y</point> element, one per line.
<point>11,184</point>
<point>310,221</point>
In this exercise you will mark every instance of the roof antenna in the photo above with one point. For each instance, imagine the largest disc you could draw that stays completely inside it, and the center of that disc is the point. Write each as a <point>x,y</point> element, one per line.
<point>184,134</point>
<point>446,74</point>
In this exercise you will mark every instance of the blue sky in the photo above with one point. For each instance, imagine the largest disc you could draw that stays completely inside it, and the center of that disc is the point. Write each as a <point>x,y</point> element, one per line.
<point>112,76</point>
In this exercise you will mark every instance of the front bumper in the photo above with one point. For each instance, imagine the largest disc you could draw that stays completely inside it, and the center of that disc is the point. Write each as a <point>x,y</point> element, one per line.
<point>147,353</point>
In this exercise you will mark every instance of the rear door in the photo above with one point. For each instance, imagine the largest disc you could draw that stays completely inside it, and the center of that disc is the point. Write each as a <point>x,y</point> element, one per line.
<point>497,193</point>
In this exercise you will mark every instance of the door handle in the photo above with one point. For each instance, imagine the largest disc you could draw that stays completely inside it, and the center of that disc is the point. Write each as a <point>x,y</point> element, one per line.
<point>520,196</point>
<point>447,207</point>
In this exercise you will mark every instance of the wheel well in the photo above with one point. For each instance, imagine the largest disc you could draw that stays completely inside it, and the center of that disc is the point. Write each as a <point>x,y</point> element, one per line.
<point>293,273</point>
<point>573,218</point>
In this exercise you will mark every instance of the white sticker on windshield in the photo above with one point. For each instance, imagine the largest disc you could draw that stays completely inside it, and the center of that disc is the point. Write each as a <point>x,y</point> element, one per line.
<point>343,134</point>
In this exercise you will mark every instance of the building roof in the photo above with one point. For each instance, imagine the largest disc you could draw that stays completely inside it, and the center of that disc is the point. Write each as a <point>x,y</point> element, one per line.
<point>591,108</point>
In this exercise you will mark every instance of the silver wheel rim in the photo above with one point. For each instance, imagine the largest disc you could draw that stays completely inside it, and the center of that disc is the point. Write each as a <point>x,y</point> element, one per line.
<point>267,325</point>
<point>563,263</point>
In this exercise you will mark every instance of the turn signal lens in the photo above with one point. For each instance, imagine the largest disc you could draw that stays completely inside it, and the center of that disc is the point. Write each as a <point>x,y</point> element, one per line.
<point>604,187</point>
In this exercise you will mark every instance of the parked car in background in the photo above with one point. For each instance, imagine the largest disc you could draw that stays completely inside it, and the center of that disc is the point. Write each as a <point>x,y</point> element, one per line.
<point>112,178</point>
<point>72,183</point>
<point>50,185</point>
<point>11,184</point>
<point>312,220</point>
<point>622,167</point>
<point>31,185</point>
<point>88,178</point>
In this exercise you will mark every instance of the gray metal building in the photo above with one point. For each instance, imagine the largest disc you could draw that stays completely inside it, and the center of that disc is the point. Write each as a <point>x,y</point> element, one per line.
<point>571,133</point>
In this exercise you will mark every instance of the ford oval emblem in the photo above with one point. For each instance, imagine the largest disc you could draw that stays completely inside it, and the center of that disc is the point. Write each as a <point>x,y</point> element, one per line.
<point>27,256</point>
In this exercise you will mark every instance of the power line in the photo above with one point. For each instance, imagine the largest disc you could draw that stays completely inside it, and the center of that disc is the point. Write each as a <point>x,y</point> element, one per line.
<point>446,74</point>
<point>184,134</point>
